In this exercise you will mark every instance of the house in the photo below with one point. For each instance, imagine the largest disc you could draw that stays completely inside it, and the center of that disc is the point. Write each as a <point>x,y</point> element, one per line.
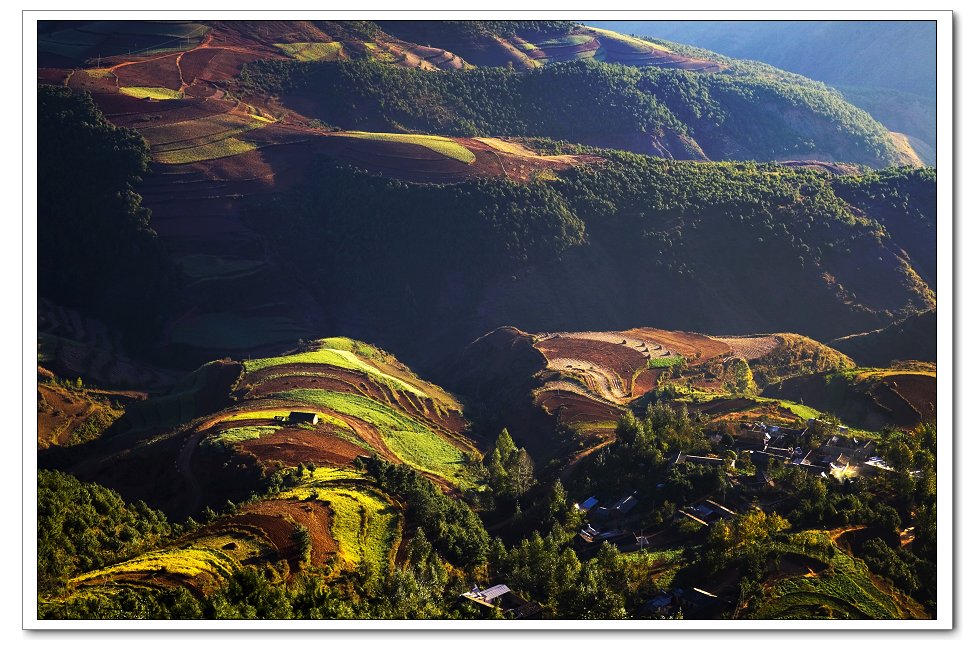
<point>487,596</point>
<point>699,460</point>
<point>625,504</point>
<point>720,510</point>
<point>588,504</point>
<point>501,597</point>
<point>691,517</point>
<point>599,514</point>
<point>665,604</point>
<point>302,417</point>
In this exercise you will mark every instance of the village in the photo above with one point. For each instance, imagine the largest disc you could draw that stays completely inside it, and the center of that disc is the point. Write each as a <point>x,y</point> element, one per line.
<point>748,465</point>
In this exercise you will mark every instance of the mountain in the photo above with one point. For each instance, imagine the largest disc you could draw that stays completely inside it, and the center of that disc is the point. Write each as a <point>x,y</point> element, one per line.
<point>885,67</point>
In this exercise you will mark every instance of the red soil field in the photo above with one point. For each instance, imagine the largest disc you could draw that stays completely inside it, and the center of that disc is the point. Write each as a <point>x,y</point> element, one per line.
<point>294,446</point>
<point>910,398</point>
<point>59,412</point>
<point>621,359</point>
<point>646,381</point>
<point>573,408</point>
<point>159,72</point>
<point>696,348</point>
<point>271,519</point>
<point>215,64</point>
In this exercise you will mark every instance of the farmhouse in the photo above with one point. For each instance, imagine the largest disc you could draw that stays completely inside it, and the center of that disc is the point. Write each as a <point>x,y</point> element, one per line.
<point>699,460</point>
<point>301,417</point>
<point>625,504</point>
<point>588,504</point>
<point>501,597</point>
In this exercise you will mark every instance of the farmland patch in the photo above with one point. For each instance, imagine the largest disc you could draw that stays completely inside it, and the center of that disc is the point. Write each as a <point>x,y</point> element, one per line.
<point>444,146</point>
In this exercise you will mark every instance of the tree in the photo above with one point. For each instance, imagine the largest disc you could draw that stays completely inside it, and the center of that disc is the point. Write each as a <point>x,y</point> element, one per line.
<point>511,471</point>
<point>302,539</point>
<point>739,377</point>
<point>98,251</point>
<point>522,473</point>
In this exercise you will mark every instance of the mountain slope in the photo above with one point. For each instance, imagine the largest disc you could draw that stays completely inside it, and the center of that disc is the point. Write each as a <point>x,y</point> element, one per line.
<point>884,67</point>
<point>915,337</point>
<point>896,54</point>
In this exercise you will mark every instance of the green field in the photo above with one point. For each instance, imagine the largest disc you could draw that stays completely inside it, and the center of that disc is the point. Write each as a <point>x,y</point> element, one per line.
<point>413,442</point>
<point>664,362</point>
<point>844,590</point>
<point>144,92</point>
<point>339,358</point>
<point>200,132</point>
<point>234,435</point>
<point>221,149</point>
<point>800,410</point>
<point>313,51</point>
<point>443,146</point>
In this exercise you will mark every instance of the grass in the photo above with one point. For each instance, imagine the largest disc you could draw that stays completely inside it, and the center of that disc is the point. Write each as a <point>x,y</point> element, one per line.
<point>150,92</point>
<point>201,131</point>
<point>413,442</point>
<point>629,40</point>
<point>443,146</point>
<point>207,138</point>
<point>357,348</point>
<point>799,410</point>
<point>664,362</point>
<point>569,39</point>
<point>339,358</point>
<point>234,435</point>
<point>187,562</point>
<point>99,73</point>
<point>365,526</point>
<point>313,51</point>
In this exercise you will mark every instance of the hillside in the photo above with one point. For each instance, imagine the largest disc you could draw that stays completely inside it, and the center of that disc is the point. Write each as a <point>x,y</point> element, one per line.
<point>539,385</point>
<point>228,433</point>
<point>915,337</point>
<point>236,128</point>
<point>229,419</point>
<point>884,67</point>
<point>836,52</point>
<point>904,395</point>
<point>678,231</point>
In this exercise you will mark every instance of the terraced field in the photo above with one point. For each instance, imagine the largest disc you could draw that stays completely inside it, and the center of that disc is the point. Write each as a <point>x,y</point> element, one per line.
<point>366,524</point>
<point>366,402</point>
<point>843,590</point>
